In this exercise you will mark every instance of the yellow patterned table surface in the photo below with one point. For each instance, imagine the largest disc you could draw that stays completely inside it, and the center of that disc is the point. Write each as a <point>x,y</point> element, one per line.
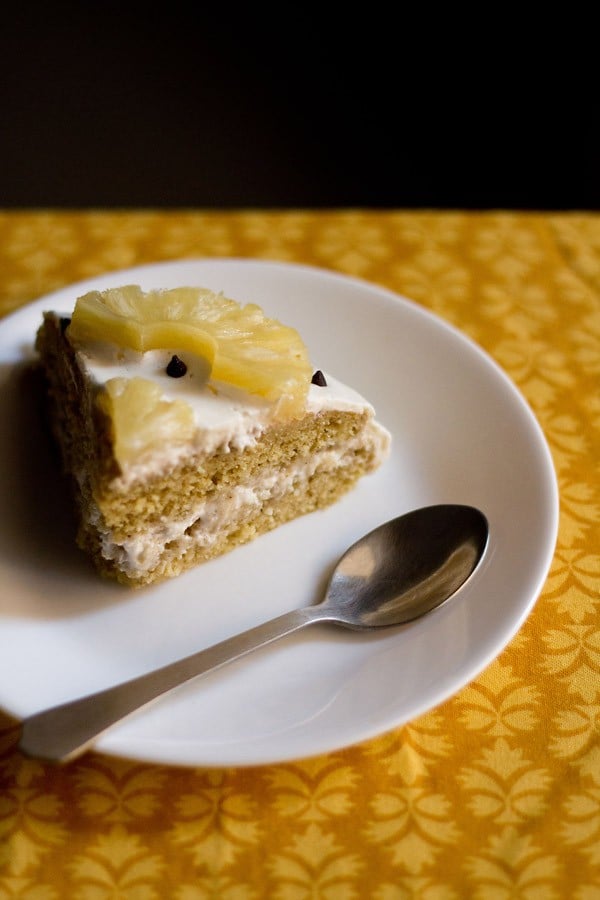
<point>494,794</point>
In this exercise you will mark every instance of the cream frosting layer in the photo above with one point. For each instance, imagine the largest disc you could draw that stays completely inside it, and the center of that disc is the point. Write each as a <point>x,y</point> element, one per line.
<point>225,417</point>
<point>228,510</point>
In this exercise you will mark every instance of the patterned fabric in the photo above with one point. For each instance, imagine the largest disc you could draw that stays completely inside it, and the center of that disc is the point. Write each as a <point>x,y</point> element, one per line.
<point>496,793</point>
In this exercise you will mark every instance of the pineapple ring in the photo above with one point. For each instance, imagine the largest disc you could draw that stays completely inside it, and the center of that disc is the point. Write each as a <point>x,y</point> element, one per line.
<point>93,320</point>
<point>142,418</point>
<point>242,345</point>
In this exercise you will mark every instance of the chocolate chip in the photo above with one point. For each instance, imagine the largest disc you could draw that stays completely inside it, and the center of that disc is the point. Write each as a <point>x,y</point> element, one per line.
<point>319,378</point>
<point>176,367</point>
<point>64,322</point>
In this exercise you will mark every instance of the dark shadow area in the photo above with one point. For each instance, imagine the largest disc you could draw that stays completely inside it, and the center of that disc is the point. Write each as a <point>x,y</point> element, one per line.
<point>40,526</point>
<point>42,571</point>
<point>131,106</point>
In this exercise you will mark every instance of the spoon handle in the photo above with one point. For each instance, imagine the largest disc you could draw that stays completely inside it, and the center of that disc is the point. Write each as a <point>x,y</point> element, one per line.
<point>64,732</point>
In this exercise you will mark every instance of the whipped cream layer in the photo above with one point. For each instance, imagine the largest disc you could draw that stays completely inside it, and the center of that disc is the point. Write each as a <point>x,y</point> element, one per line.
<point>226,417</point>
<point>211,518</point>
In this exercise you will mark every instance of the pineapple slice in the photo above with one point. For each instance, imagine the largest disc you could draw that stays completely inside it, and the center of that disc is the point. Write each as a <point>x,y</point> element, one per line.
<point>245,348</point>
<point>142,418</point>
<point>154,321</point>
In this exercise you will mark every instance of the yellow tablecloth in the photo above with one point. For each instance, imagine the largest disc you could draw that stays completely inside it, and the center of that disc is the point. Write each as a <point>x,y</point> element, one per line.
<point>496,793</point>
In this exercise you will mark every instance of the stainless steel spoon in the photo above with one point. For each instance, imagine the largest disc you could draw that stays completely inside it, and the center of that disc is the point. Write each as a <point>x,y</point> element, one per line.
<point>396,573</point>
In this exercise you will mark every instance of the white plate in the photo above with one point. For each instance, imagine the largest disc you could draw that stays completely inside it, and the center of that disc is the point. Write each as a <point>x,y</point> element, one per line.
<point>461,434</point>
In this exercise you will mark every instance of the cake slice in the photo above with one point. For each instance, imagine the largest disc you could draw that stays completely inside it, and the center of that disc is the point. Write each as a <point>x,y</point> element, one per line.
<point>189,424</point>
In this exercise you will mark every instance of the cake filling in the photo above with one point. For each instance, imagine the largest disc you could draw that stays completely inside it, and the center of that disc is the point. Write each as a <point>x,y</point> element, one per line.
<point>224,512</point>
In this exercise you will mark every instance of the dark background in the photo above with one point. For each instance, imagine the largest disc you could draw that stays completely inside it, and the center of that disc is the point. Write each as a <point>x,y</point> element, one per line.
<point>107,105</point>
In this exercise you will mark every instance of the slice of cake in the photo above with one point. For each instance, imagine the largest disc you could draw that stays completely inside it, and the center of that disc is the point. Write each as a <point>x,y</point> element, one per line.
<point>189,424</point>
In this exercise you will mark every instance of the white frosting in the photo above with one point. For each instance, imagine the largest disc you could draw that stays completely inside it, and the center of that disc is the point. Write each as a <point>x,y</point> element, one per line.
<point>212,402</point>
<point>226,417</point>
<point>206,522</point>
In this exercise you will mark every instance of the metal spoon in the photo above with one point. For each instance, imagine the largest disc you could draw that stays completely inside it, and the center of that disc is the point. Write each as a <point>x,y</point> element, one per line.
<point>396,573</point>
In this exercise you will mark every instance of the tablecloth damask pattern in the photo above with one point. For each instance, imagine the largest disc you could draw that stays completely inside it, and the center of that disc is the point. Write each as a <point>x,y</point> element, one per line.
<point>494,794</point>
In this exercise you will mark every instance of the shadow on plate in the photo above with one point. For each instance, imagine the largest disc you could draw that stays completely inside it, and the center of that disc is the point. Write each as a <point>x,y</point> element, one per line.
<point>42,571</point>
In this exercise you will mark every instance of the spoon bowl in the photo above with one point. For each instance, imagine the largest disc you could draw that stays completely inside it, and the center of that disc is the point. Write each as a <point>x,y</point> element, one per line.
<point>394,574</point>
<point>406,567</point>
